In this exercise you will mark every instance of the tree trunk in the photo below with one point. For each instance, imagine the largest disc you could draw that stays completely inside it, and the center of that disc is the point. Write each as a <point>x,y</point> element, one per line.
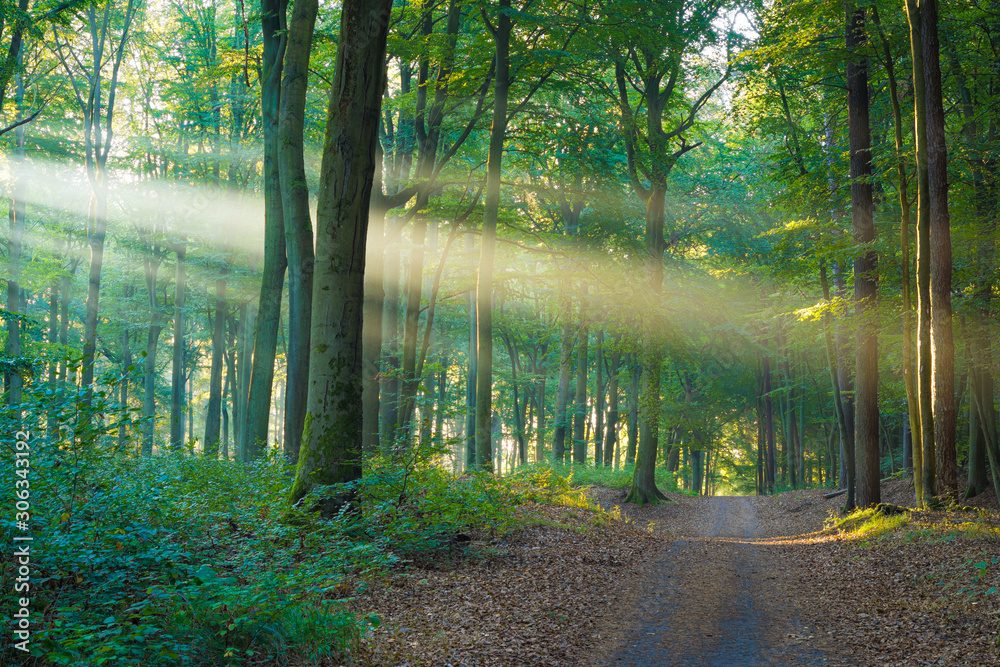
<point>213,418</point>
<point>374,299</point>
<point>411,330</point>
<point>123,396</point>
<point>389,400</point>
<point>470,384</point>
<point>902,185</point>
<point>96,230</point>
<point>522,445</point>
<point>925,457</point>
<point>177,374</point>
<point>942,341</point>
<point>331,443</point>
<point>580,397</point>
<point>245,326</point>
<point>633,412</point>
<point>152,267</point>
<point>599,401</point>
<point>866,417</point>
<point>296,219</point>
<point>769,460</point>
<point>611,440</point>
<point>52,420</point>
<point>562,421</point>
<point>265,337</point>
<point>15,243</point>
<point>484,285</point>
<point>643,488</point>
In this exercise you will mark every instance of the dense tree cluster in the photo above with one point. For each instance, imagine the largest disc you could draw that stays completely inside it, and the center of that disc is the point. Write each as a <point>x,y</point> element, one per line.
<point>750,244</point>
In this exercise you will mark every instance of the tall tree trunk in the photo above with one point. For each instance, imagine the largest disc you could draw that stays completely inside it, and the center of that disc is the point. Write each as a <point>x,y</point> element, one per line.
<point>925,458</point>
<point>52,419</point>
<point>866,418</point>
<point>96,230</point>
<point>331,443</point>
<point>265,337</point>
<point>522,445</point>
<point>633,411</point>
<point>846,382</point>
<point>580,397</point>
<point>470,384</point>
<point>644,476</point>
<point>123,439</point>
<point>227,392</point>
<point>244,337</point>
<point>374,299</point>
<point>15,243</point>
<point>484,285</point>
<point>902,185</point>
<point>152,268</point>
<point>599,401</point>
<point>562,421</point>
<point>411,329</point>
<point>298,230</point>
<point>389,401</point>
<point>213,418</point>
<point>177,374</point>
<point>942,340</point>
<point>611,440</point>
<point>769,461</point>
<point>540,409</point>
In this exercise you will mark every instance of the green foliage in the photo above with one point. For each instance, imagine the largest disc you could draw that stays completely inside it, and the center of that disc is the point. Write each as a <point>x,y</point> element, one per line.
<point>183,560</point>
<point>563,483</point>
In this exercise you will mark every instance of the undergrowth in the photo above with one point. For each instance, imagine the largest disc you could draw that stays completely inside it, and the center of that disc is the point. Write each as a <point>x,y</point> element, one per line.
<point>588,475</point>
<point>181,560</point>
<point>917,526</point>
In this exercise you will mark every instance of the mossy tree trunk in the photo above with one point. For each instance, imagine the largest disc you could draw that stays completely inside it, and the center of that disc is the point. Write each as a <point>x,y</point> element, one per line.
<point>331,442</point>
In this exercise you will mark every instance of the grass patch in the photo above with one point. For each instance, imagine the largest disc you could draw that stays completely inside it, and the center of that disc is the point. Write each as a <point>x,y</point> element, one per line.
<point>868,524</point>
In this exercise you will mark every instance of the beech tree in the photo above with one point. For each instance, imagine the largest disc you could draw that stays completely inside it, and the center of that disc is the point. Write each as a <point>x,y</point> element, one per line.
<point>331,442</point>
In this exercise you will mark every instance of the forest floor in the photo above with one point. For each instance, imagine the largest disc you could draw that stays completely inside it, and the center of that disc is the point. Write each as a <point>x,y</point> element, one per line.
<point>704,581</point>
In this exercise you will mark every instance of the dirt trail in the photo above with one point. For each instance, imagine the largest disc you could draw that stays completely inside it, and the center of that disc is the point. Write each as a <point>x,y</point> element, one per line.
<point>722,595</point>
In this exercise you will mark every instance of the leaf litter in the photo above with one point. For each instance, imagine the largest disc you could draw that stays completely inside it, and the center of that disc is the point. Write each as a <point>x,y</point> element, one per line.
<point>567,587</point>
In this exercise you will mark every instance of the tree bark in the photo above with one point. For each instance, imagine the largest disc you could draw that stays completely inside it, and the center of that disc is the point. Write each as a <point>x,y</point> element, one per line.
<point>15,245</point>
<point>213,419</point>
<point>643,488</point>
<point>599,401</point>
<point>470,383</point>
<point>484,285</point>
<point>902,185</point>
<point>925,458</point>
<point>611,440</point>
<point>866,417</point>
<point>769,459</point>
<point>331,443</point>
<point>152,266</point>
<point>562,421</point>
<point>296,218</point>
<point>390,385</point>
<point>942,340</point>
<point>177,373</point>
<point>633,412</point>
<point>265,337</point>
<point>580,397</point>
<point>374,299</point>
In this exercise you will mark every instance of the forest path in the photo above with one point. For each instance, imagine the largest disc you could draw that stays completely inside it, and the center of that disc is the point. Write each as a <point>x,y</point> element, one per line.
<point>723,594</point>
